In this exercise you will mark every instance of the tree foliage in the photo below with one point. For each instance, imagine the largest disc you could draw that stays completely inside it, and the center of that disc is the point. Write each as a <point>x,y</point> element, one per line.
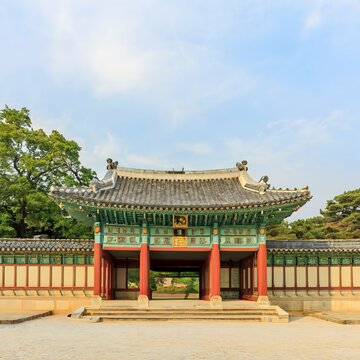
<point>339,220</point>
<point>30,162</point>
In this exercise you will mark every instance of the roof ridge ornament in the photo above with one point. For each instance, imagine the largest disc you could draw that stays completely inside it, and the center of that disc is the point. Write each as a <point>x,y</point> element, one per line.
<point>242,166</point>
<point>111,165</point>
<point>248,182</point>
<point>109,180</point>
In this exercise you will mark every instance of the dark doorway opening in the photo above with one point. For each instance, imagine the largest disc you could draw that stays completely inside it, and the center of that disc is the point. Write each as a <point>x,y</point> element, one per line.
<point>175,285</point>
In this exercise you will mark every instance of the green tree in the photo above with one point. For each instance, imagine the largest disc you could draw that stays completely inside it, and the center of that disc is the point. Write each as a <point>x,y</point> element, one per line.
<point>339,220</point>
<point>30,162</point>
<point>342,215</point>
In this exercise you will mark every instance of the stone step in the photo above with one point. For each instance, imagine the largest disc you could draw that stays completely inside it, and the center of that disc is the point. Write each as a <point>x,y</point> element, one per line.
<point>170,315</point>
<point>118,308</point>
<point>205,311</point>
<point>248,312</point>
<point>182,317</point>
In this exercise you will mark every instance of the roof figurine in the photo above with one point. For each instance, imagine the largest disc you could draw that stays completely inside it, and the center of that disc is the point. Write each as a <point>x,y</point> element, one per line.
<point>111,165</point>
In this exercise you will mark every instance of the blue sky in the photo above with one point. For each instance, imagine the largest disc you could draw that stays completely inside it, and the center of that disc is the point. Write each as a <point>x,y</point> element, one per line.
<point>194,84</point>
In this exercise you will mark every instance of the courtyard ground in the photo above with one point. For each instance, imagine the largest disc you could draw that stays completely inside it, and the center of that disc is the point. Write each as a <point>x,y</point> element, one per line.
<point>57,337</point>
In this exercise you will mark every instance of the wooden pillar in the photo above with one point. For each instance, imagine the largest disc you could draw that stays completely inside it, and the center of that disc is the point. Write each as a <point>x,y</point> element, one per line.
<point>103,277</point>
<point>97,269</point>
<point>144,270</point>
<point>262,270</point>
<point>111,280</point>
<point>215,271</point>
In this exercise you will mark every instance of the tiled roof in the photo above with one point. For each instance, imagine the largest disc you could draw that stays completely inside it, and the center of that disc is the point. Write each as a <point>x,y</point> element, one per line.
<point>56,245</point>
<point>214,189</point>
<point>338,245</point>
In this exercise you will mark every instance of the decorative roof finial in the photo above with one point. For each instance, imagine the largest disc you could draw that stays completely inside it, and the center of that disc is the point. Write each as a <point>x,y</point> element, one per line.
<point>111,165</point>
<point>242,166</point>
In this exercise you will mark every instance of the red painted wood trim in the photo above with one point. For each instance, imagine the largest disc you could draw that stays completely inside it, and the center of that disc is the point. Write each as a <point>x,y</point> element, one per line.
<point>126,273</point>
<point>113,248</point>
<point>38,275</point>
<point>106,279</point>
<point>239,250</point>
<point>252,274</point>
<point>42,265</point>
<point>103,291</point>
<point>181,249</point>
<point>62,276</point>
<point>15,275</point>
<point>272,277</point>
<point>50,276</point>
<point>27,276</point>
<point>45,288</point>
<point>97,269</point>
<point>86,276</point>
<point>262,270</point>
<point>340,280</point>
<point>115,276</point>
<point>307,277</point>
<point>228,276</point>
<point>215,271</point>
<point>351,276</point>
<point>74,275</point>
<point>318,275</point>
<point>240,280</point>
<point>246,276</point>
<point>144,270</point>
<point>284,277</point>
<point>3,276</point>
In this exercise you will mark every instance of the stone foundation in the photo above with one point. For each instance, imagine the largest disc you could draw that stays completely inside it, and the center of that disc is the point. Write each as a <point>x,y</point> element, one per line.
<point>308,304</point>
<point>56,304</point>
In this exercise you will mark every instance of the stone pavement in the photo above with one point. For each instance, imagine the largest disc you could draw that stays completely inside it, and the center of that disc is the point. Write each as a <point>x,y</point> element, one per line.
<point>57,337</point>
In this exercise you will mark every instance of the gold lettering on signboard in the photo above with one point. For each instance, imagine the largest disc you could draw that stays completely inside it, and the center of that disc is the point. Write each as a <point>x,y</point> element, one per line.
<point>180,241</point>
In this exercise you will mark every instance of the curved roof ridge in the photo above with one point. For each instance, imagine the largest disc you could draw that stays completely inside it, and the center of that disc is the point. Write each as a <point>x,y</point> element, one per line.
<point>178,174</point>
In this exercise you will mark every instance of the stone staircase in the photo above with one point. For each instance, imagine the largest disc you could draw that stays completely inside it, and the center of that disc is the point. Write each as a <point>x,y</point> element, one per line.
<point>194,311</point>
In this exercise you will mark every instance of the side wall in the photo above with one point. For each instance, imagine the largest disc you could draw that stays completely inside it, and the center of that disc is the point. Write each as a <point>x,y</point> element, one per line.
<point>314,281</point>
<point>57,282</point>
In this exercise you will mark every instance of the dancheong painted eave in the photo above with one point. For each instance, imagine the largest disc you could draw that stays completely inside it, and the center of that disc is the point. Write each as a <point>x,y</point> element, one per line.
<point>222,189</point>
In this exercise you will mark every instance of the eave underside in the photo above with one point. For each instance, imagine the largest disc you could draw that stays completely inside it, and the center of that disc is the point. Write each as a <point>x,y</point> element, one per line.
<point>156,217</point>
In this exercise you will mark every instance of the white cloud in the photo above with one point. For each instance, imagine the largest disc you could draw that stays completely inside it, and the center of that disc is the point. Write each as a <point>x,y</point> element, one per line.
<point>49,124</point>
<point>314,20</point>
<point>331,12</point>
<point>312,130</point>
<point>159,52</point>
<point>114,147</point>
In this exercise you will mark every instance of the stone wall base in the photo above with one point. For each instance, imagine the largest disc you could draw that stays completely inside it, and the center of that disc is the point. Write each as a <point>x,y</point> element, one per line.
<point>57,304</point>
<point>317,303</point>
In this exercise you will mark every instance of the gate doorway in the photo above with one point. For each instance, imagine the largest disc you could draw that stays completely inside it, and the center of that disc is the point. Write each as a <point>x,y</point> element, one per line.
<point>175,285</point>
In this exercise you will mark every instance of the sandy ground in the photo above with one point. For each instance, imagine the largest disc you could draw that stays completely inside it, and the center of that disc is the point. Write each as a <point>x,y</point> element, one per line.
<point>56,337</point>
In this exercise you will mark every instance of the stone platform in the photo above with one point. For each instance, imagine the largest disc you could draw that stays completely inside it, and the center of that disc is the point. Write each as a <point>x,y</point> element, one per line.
<point>19,317</point>
<point>345,318</point>
<point>164,310</point>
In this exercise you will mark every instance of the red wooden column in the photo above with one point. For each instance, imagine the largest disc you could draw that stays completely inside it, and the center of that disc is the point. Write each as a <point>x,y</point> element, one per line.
<point>103,273</point>
<point>215,271</point>
<point>97,269</point>
<point>262,270</point>
<point>144,270</point>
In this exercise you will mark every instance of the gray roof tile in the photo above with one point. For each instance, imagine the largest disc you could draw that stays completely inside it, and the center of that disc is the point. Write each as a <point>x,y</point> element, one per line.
<point>53,245</point>
<point>188,190</point>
